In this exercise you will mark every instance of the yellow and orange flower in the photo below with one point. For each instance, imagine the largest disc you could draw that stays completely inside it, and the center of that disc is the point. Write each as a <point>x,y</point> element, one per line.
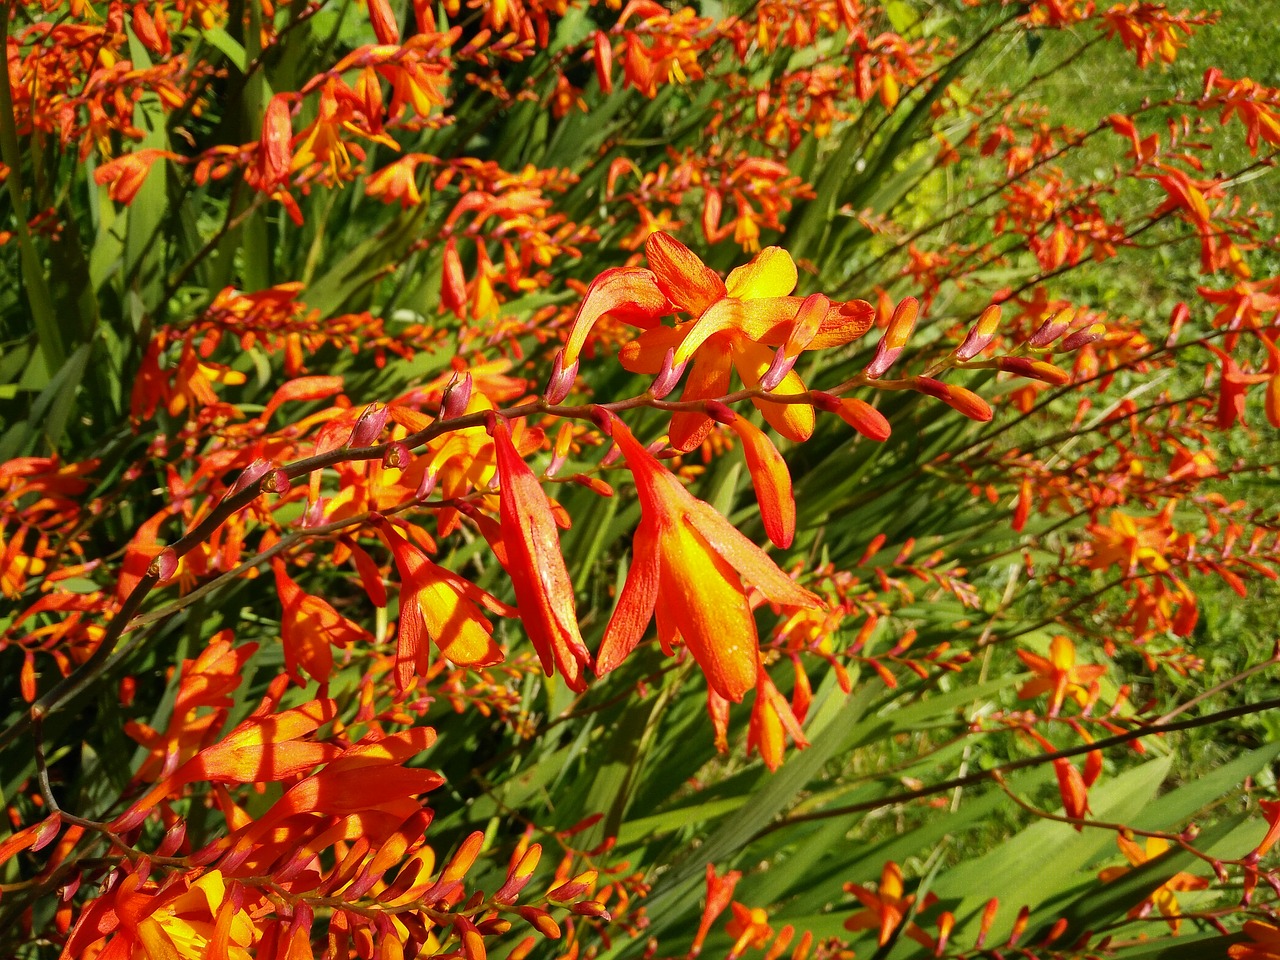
<point>1163,899</point>
<point>748,322</point>
<point>687,571</point>
<point>1060,676</point>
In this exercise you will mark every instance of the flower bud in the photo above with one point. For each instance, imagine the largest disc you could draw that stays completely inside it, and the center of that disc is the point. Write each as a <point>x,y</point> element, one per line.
<point>1034,370</point>
<point>958,398</point>
<point>1090,334</point>
<point>250,475</point>
<point>396,456</point>
<point>369,425</point>
<point>669,376</point>
<point>541,921</point>
<point>456,397</point>
<point>864,418</point>
<point>603,56</point>
<point>983,332</point>
<point>1053,327</point>
<point>276,481</point>
<point>778,369</point>
<point>720,412</point>
<point>572,889</point>
<point>895,337</point>
<point>561,380</point>
<point>164,566</point>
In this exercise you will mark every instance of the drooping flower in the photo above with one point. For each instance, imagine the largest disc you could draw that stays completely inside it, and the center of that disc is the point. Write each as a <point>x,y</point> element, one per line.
<point>309,630</point>
<point>687,571</point>
<point>544,593</point>
<point>437,605</point>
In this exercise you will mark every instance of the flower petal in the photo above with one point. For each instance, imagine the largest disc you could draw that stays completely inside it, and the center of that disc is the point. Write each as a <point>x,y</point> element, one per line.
<point>701,596</point>
<point>544,593</point>
<point>771,273</point>
<point>681,275</point>
<point>708,380</point>
<point>635,602</point>
<point>771,480</point>
<point>629,293</point>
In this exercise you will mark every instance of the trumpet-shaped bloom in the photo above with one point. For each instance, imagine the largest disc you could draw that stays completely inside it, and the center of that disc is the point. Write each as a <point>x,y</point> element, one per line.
<point>748,322</point>
<point>885,909</point>
<point>738,324</point>
<point>687,570</point>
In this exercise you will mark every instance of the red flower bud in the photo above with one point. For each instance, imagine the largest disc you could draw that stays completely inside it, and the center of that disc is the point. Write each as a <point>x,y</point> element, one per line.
<point>369,425</point>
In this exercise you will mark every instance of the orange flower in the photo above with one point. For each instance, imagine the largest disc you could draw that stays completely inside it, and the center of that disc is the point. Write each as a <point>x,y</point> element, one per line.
<point>1060,676</point>
<point>886,908</point>
<point>125,174</point>
<point>1163,899</point>
<point>438,605</point>
<point>1133,542</point>
<point>182,919</point>
<point>1265,943</point>
<point>309,629</point>
<point>687,570</point>
<point>747,323</point>
<point>544,593</point>
<point>749,928</point>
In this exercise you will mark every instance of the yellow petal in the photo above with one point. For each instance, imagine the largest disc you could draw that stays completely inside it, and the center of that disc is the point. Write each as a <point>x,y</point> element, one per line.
<point>771,273</point>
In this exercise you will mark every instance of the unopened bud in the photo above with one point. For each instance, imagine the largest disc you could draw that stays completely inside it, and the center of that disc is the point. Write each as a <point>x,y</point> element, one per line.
<point>720,412</point>
<point>276,481</point>
<point>902,323</point>
<point>165,565</point>
<point>958,398</point>
<point>825,401</point>
<point>314,514</point>
<point>864,418</point>
<point>983,332</point>
<point>1052,328</point>
<point>669,376</point>
<point>603,419</point>
<point>396,456</point>
<point>426,485</point>
<point>250,475</point>
<point>519,876</point>
<point>884,358</point>
<point>572,889</point>
<point>1181,314</point>
<point>456,397</point>
<point>369,425</point>
<point>778,369</point>
<point>47,832</point>
<point>1034,370</point>
<point>589,908</point>
<point>541,921</point>
<point>561,380</point>
<point>1090,334</point>
<point>560,449</point>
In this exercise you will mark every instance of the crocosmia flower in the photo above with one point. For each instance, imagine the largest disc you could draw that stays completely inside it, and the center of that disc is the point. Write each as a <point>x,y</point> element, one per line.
<point>688,570</point>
